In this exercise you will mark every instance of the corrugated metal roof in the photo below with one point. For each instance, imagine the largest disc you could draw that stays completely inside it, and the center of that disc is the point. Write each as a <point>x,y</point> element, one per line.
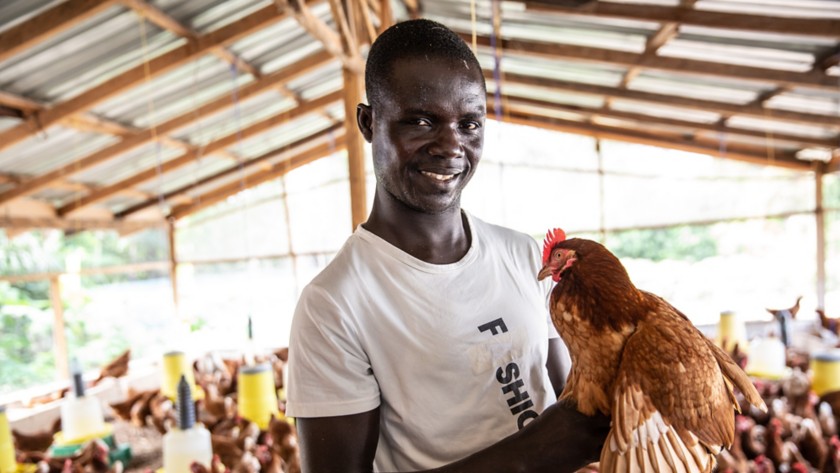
<point>575,87</point>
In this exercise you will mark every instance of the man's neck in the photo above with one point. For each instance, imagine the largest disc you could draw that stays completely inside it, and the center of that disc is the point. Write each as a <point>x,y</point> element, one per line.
<point>434,238</point>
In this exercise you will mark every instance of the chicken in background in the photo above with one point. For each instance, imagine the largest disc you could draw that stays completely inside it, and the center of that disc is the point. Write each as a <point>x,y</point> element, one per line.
<point>829,323</point>
<point>635,357</point>
<point>116,368</point>
<point>37,442</point>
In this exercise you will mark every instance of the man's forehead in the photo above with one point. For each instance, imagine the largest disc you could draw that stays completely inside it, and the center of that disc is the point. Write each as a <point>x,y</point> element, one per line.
<point>419,81</point>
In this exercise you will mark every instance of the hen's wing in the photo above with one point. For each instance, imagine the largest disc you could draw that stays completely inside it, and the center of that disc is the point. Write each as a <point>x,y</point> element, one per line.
<point>672,407</point>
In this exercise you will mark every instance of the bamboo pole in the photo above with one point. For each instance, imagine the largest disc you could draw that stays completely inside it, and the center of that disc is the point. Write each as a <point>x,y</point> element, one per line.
<point>819,215</point>
<point>355,147</point>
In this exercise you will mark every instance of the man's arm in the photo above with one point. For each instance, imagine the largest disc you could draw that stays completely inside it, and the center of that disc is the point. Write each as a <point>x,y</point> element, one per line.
<point>342,444</point>
<point>556,365</point>
<point>560,440</point>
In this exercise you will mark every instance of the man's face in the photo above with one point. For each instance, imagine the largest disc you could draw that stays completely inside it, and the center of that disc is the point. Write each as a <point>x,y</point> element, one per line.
<point>428,133</point>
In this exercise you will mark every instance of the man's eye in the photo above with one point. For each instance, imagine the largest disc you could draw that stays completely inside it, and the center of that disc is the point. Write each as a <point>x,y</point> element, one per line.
<point>422,122</point>
<point>471,126</point>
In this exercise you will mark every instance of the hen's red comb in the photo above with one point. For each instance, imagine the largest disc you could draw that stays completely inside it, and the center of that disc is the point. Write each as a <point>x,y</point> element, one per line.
<point>552,237</point>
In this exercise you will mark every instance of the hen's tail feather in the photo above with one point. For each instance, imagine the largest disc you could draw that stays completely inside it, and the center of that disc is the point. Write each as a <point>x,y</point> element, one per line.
<point>736,375</point>
<point>668,454</point>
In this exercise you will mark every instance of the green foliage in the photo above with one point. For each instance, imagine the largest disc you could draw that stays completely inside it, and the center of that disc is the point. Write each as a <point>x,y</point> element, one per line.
<point>26,317</point>
<point>685,242</point>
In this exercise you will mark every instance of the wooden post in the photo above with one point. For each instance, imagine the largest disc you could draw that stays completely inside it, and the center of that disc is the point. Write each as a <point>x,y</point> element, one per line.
<point>173,263</point>
<point>819,214</point>
<point>355,147</point>
<point>59,335</point>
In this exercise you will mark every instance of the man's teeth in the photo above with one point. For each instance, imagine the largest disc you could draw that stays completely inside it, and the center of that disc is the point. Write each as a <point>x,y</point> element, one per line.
<point>439,177</point>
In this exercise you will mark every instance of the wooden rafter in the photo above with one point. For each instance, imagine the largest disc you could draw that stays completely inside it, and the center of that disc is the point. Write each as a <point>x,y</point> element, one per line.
<point>818,80</point>
<point>217,195</point>
<point>315,138</point>
<point>749,110</point>
<point>304,108</point>
<point>128,143</point>
<point>136,75</point>
<point>76,224</point>
<point>748,154</point>
<point>165,21</point>
<point>85,122</point>
<point>49,23</point>
<point>829,28</point>
<point>696,126</point>
<point>331,40</point>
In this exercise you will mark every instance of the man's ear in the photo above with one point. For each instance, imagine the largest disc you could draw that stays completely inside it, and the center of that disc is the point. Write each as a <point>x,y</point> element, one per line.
<point>364,119</point>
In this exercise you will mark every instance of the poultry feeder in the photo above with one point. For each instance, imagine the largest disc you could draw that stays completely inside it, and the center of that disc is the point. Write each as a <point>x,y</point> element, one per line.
<point>8,463</point>
<point>825,369</point>
<point>256,396</point>
<point>82,421</point>
<point>767,359</point>
<point>189,442</point>
<point>175,365</point>
<point>731,331</point>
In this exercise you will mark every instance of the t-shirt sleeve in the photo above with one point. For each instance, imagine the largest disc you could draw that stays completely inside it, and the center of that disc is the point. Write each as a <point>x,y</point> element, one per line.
<point>329,373</point>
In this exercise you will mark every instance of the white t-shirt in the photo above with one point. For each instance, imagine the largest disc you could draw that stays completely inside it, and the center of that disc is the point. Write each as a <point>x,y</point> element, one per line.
<point>453,354</point>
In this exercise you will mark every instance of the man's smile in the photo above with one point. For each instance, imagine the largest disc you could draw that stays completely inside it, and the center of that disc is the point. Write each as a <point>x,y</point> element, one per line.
<point>440,177</point>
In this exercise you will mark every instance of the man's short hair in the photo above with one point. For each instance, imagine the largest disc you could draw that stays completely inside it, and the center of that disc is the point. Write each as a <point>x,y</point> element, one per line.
<point>411,39</point>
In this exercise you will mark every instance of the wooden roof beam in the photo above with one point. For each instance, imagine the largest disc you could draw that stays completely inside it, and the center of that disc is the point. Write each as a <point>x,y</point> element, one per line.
<point>311,106</point>
<point>218,195</point>
<point>138,74</point>
<point>28,223</point>
<point>332,41</point>
<point>749,110</point>
<point>165,21</point>
<point>815,80</point>
<point>695,126</point>
<point>313,139</point>
<point>819,27</point>
<point>747,154</point>
<point>128,143</point>
<point>49,23</point>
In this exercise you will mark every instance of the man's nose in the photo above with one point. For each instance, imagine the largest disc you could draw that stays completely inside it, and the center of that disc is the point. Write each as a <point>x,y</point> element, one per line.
<point>447,143</point>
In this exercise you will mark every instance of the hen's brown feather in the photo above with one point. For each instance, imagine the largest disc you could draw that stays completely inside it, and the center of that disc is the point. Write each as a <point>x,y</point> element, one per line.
<point>637,358</point>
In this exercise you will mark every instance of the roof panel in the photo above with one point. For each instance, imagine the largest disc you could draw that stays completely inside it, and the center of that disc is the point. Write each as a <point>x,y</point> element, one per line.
<point>84,56</point>
<point>664,111</point>
<point>14,12</point>
<point>174,93</point>
<point>279,137</point>
<point>739,55</point>
<point>186,175</point>
<point>573,71</point>
<point>208,15</point>
<point>139,159</point>
<point>684,86</point>
<point>548,95</point>
<point>769,126</point>
<point>808,102</point>
<point>781,8</point>
<point>241,115</point>
<point>44,152</point>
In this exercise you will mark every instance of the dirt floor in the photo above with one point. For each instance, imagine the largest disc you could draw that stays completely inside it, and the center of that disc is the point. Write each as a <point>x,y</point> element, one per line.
<point>146,446</point>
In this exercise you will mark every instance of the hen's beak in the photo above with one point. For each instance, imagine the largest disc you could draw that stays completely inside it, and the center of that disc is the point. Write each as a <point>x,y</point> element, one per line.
<point>544,273</point>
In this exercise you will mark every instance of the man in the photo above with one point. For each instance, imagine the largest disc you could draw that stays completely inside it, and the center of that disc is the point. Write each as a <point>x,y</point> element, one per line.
<point>424,345</point>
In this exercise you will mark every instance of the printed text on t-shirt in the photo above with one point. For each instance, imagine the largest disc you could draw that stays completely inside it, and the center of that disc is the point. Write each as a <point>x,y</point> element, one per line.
<point>518,399</point>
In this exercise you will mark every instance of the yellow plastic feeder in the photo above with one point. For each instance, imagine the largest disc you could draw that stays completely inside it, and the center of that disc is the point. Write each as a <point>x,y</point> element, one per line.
<point>256,397</point>
<point>731,330</point>
<point>8,462</point>
<point>825,372</point>
<point>175,364</point>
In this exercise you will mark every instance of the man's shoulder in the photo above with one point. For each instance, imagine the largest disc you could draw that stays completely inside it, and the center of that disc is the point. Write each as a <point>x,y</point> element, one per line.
<point>498,234</point>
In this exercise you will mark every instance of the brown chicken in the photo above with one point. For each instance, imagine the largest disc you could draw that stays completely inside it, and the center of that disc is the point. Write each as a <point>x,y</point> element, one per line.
<point>635,357</point>
<point>37,442</point>
<point>117,368</point>
<point>828,323</point>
